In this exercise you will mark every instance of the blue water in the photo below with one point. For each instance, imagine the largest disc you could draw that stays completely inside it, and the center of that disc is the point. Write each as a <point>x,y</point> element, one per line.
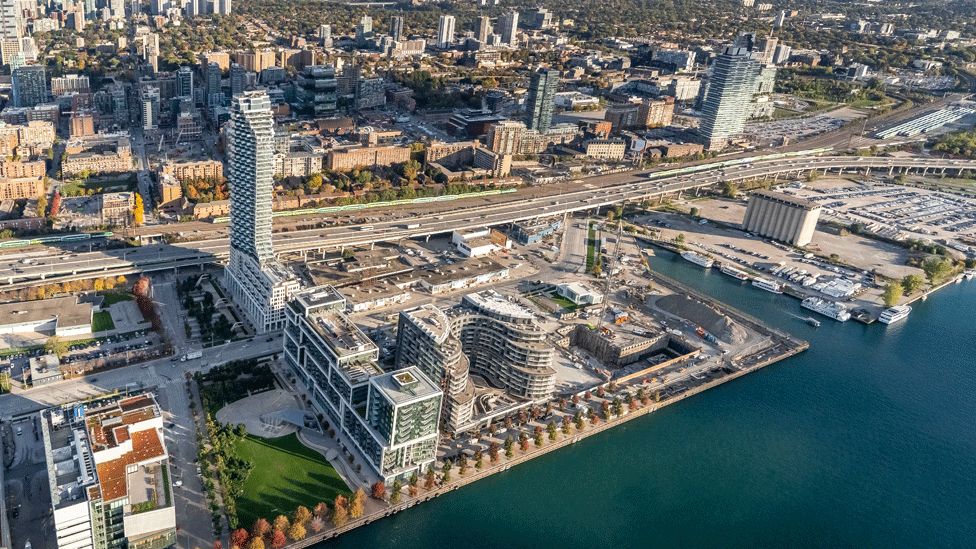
<point>867,439</point>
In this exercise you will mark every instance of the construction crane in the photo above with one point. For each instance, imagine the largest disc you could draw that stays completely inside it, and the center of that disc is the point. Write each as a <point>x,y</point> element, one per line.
<point>614,257</point>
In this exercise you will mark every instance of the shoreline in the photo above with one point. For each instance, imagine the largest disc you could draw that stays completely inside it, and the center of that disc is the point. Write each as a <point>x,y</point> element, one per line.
<point>783,347</point>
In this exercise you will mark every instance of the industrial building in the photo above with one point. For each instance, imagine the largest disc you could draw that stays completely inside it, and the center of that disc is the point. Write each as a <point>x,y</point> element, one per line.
<point>781,217</point>
<point>61,316</point>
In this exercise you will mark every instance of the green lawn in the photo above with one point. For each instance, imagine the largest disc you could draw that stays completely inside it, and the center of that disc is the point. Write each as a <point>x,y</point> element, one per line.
<point>591,251</point>
<point>111,298</point>
<point>102,321</point>
<point>285,474</point>
<point>562,301</point>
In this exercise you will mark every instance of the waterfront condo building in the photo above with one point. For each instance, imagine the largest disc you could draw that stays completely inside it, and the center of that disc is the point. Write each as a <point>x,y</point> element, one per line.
<point>391,418</point>
<point>108,474</point>
<point>425,340</point>
<point>728,98</point>
<point>781,217</point>
<point>445,31</point>
<point>259,284</point>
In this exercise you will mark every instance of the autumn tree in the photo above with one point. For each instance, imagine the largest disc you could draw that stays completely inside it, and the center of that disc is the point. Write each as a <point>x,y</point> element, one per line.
<point>261,528</point>
<point>321,510</point>
<point>430,478</point>
<point>257,542</point>
<point>218,545</point>
<point>280,523</point>
<point>278,539</point>
<point>463,465</point>
<point>297,532</point>
<point>509,448</point>
<point>493,451</point>
<point>358,505</point>
<point>379,489</point>
<point>316,525</point>
<point>302,515</point>
<point>56,346</point>
<point>538,436</point>
<point>523,442</point>
<point>138,211</point>
<point>239,537</point>
<point>340,511</point>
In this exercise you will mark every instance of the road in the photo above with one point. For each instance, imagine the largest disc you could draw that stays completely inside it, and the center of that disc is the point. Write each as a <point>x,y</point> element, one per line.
<point>549,200</point>
<point>157,373</point>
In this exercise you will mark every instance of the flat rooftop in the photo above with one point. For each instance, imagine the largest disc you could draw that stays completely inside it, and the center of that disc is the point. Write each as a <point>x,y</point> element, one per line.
<point>490,300</point>
<point>786,199</point>
<point>475,266</point>
<point>432,320</point>
<point>405,385</point>
<point>67,310</point>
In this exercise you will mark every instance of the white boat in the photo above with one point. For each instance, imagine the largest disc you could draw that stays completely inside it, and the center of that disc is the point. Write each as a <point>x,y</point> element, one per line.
<point>894,314</point>
<point>698,259</point>
<point>830,309</point>
<point>767,285</point>
<point>733,272</point>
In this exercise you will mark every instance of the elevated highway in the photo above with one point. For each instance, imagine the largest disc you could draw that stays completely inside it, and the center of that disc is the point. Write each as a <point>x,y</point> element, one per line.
<point>591,194</point>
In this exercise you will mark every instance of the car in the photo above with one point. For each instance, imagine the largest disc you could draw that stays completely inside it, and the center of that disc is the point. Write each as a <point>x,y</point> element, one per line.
<point>270,339</point>
<point>20,431</point>
<point>178,483</point>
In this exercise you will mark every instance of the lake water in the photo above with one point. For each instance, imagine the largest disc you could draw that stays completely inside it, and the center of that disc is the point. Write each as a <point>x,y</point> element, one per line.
<point>867,439</point>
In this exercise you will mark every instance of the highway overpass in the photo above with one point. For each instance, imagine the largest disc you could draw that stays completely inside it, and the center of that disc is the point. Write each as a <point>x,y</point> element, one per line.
<point>589,194</point>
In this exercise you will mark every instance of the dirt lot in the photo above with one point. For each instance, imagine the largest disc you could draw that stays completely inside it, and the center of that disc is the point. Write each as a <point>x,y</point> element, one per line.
<point>860,252</point>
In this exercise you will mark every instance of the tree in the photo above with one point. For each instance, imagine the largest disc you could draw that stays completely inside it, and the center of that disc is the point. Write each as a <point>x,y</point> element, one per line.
<point>297,532</point>
<point>446,471</point>
<point>316,525</point>
<point>912,283</point>
<point>278,539</point>
<point>358,505</point>
<point>493,451</point>
<point>261,528</point>
<point>694,212</point>
<point>280,523</point>
<point>138,211</point>
<point>479,459</point>
<point>551,428</point>
<point>891,294</point>
<point>414,479</point>
<point>538,436</point>
<point>56,346</point>
<point>218,545</point>
<point>239,537</point>
<point>302,515</point>
<point>340,511</point>
<point>430,478</point>
<point>395,492</point>
<point>463,465</point>
<point>321,510</point>
<point>257,542</point>
<point>936,269</point>
<point>379,489</point>
<point>509,447</point>
<point>42,205</point>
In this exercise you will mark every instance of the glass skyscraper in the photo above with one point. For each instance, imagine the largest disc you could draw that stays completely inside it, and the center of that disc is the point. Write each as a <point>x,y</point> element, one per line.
<point>540,99</point>
<point>728,99</point>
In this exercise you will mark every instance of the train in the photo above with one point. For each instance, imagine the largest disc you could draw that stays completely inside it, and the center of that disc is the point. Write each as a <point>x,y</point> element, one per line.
<point>356,207</point>
<point>55,239</point>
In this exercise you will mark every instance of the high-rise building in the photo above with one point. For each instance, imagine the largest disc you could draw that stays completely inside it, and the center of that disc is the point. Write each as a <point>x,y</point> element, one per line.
<point>316,90</point>
<point>184,82</point>
<point>211,79</point>
<point>508,28</point>
<point>238,79</point>
<point>727,102</point>
<point>325,35</point>
<point>445,31</point>
<point>11,21</point>
<point>390,419</point>
<point>224,7</point>
<point>29,85</point>
<point>506,137</point>
<point>539,101</point>
<point>112,468</point>
<point>68,83</point>
<point>425,340</point>
<point>150,108</point>
<point>396,27</point>
<point>259,284</point>
<point>484,29</point>
<point>364,30</point>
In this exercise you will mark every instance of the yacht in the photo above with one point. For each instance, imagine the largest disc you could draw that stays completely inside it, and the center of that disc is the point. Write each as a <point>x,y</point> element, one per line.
<point>827,308</point>
<point>894,314</point>
<point>767,285</point>
<point>733,272</point>
<point>698,259</point>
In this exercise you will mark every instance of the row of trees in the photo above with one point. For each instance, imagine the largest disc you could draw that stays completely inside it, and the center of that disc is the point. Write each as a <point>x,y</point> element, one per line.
<point>282,529</point>
<point>957,144</point>
<point>45,291</point>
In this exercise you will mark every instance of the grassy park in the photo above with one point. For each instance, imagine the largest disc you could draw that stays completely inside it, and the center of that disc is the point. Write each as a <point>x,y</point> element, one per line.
<point>102,321</point>
<point>284,475</point>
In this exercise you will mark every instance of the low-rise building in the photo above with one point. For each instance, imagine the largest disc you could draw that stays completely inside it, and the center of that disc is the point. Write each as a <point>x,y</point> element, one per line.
<point>534,230</point>
<point>346,159</point>
<point>579,294</point>
<point>116,208</point>
<point>605,149</point>
<point>60,316</point>
<point>194,170</point>
<point>100,154</point>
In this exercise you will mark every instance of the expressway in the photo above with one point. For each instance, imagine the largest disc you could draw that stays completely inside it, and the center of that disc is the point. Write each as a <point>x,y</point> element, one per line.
<point>590,194</point>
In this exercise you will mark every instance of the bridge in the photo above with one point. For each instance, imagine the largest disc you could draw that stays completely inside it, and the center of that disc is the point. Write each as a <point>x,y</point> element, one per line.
<point>559,200</point>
